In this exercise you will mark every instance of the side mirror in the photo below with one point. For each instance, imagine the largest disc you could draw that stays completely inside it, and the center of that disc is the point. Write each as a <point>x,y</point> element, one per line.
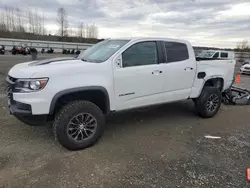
<point>118,62</point>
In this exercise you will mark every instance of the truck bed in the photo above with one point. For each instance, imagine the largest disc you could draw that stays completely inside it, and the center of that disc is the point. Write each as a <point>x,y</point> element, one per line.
<point>223,68</point>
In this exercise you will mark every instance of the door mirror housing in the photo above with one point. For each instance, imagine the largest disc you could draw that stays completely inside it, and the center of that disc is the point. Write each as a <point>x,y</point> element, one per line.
<point>118,62</point>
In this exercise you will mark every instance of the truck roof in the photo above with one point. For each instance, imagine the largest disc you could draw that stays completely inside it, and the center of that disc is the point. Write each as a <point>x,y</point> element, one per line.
<point>150,38</point>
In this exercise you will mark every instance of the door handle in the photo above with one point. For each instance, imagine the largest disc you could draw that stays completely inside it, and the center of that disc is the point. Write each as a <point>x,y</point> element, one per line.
<point>188,68</point>
<point>157,72</point>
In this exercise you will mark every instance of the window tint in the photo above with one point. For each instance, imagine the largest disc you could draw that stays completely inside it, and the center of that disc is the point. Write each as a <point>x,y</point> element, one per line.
<point>223,54</point>
<point>216,55</point>
<point>176,51</point>
<point>143,53</point>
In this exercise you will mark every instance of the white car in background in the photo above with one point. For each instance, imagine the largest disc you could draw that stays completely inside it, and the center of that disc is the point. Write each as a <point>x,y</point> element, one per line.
<point>245,68</point>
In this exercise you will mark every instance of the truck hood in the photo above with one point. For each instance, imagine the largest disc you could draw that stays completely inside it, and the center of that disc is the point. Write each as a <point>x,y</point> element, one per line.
<point>48,67</point>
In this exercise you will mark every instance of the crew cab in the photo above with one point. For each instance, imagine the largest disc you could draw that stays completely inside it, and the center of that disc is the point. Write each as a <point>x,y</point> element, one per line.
<point>77,93</point>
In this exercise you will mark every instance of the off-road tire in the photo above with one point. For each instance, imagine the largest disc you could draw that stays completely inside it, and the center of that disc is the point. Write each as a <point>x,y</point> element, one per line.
<point>202,100</point>
<point>66,113</point>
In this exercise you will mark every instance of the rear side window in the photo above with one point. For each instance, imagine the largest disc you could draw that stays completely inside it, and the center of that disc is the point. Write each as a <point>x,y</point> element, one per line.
<point>223,54</point>
<point>176,51</point>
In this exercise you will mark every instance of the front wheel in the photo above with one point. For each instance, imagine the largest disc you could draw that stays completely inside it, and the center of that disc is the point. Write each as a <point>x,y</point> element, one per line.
<point>209,102</point>
<point>79,125</point>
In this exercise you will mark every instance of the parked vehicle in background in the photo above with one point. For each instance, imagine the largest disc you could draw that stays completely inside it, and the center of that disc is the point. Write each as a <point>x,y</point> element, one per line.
<point>2,50</point>
<point>68,51</point>
<point>245,68</point>
<point>216,54</point>
<point>50,51</point>
<point>20,50</point>
<point>64,51</point>
<point>77,93</point>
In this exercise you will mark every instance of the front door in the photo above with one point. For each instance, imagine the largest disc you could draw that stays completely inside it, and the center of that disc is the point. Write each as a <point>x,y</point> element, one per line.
<point>138,82</point>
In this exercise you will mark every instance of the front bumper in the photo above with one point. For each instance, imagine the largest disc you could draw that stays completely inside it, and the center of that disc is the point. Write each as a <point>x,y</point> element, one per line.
<point>245,71</point>
<point>14,106</point>
<point>19,109</point>
<point>23,111</point>
<point>26,103</point>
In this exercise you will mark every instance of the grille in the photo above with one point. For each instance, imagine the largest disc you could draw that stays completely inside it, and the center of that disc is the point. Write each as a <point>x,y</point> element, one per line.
<point>10,83</point>
<point>248,68</point>
<point>12,79</point>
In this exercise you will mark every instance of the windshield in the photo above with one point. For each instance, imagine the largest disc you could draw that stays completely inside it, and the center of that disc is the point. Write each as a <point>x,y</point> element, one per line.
<point>206,54</point>
<point>102,51</point>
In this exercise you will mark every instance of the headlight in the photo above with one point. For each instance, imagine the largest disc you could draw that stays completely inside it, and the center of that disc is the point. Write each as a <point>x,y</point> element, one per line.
<point>30,85</point>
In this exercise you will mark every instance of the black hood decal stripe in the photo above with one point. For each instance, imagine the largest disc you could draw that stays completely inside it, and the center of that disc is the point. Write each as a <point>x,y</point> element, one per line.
<point>48,61</point>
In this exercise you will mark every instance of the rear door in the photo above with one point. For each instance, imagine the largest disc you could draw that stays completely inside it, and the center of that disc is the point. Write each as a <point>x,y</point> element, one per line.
<point>139,81</point>
<point>179,71</point>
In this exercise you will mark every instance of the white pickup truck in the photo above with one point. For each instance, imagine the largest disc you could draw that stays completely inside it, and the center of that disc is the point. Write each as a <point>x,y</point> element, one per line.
<point>77,93</point>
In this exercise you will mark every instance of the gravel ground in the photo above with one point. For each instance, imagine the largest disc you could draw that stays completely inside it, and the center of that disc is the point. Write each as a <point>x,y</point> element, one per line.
<point>161,146</point>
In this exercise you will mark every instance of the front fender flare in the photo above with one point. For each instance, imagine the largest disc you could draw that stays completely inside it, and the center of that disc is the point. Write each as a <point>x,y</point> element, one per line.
<point>73,90</point>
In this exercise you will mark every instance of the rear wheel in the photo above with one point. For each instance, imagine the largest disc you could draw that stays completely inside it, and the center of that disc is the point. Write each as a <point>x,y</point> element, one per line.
<point>79,125</point>
<point>209,102</point>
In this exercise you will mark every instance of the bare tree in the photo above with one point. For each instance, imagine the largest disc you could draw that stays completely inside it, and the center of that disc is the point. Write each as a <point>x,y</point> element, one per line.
<point>13,19</point>
<point>2,22</point>
<point>10,19</point>
<point>91,31</point>
<point>95,31</point>
<point>7,18</point>
<point>62,22</point>
<point>81,30</point>
<point>70,31</point>
<point>31,22</point>
<point>243,45</point>
<point>88,31</point>
<point>37,20</point>
<point>19,24</point>
<point>43,27</point>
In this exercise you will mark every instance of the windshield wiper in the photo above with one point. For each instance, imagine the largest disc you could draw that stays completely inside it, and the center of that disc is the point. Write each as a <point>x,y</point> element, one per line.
<point>90,61</point>
<point>83,59</point>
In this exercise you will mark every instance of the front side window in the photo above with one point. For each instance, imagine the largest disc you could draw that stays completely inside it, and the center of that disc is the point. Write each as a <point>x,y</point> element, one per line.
<point>102,51</point>
<point>143,53</point>
<point>176,51</point>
